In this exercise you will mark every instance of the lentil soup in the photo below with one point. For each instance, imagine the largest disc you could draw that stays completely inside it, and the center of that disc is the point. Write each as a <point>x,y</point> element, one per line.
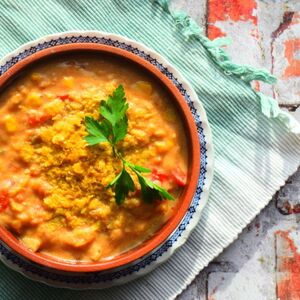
<point>53,194</point>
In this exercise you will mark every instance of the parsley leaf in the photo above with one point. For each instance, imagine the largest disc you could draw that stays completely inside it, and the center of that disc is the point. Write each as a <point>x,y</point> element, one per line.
<point>138,168</point>
<point>120,130</point>
<point>122,184</point>
<point>97,132</point>
<point>112,127</point>
<point>151,191</point>
<point>115,108</point>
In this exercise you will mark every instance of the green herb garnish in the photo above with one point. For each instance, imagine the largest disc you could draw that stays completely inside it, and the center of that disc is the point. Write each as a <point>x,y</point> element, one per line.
<point>112,127</point>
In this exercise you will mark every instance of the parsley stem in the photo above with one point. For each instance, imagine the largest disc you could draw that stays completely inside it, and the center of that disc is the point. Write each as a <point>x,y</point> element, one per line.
<point>118,154</point>
<point>114,151</point>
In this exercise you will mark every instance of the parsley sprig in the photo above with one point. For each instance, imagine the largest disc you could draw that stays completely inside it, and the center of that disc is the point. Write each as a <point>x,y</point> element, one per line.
<point>112,127</point>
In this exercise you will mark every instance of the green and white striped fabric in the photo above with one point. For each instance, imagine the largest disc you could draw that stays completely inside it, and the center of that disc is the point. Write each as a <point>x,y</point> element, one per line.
<point>256,145</point>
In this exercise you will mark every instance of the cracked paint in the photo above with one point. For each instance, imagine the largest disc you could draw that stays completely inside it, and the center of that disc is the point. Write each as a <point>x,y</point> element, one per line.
<point>231,11</point>
<point>287,208</point>
<point>288,286</point>
<point>214,32</point>
<point>285,51</point>
<point>286,21</point>
<point>235,10</point>
<point>292,48</point>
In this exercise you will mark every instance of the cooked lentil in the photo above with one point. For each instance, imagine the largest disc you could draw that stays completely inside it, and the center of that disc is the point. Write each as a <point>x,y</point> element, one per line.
<point>53,194</point>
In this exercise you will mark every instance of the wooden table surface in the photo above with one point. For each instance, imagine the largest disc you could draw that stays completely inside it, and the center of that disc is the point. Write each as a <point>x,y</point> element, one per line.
<point>264,263</point>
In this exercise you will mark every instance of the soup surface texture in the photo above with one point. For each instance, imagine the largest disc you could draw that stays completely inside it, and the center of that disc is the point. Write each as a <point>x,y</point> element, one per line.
<point>53,194</point>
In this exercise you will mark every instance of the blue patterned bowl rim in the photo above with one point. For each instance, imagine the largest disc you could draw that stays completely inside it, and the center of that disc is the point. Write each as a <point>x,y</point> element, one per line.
<point>192,216</point>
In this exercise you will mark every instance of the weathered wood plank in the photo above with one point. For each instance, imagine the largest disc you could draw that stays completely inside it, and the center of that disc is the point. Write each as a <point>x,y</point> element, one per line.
<point>264,262</point>
<point>288,264</point>
<point>254,267</point>
<point>285,51</point>
<point>288,200</point>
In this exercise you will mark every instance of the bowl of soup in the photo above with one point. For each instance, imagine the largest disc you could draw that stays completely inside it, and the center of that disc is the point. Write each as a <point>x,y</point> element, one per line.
<point>59,204</point>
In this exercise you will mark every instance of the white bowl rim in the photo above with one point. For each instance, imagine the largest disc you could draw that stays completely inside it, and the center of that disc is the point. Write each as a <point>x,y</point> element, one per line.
<point>209,168</point>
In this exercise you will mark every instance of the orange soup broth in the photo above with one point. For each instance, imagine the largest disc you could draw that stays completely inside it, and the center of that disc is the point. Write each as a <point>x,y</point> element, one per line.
<point>53,194</point>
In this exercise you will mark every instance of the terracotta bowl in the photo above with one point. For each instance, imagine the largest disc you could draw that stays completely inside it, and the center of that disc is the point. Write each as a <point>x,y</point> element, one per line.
<point>194,162</point>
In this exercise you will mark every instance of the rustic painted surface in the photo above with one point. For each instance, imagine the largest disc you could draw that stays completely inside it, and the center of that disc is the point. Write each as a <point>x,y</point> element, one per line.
<point>264,263</point>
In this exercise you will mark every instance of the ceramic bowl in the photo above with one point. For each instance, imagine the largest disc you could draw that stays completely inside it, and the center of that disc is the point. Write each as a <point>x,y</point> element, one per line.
<point>200,167</point>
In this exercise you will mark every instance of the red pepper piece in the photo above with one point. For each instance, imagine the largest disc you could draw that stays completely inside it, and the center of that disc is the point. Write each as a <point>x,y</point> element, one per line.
<point>157,176</point>
<point>64,97</point>
<point>179,177</point>
<point>4,200</point>
<point>38,120</point>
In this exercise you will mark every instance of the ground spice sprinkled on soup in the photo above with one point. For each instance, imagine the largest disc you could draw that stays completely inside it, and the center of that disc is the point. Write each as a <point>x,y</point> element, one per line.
<point>53,185</point>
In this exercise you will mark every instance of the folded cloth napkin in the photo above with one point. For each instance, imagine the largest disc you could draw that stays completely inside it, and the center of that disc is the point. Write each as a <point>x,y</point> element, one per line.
<point>256,145</point>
